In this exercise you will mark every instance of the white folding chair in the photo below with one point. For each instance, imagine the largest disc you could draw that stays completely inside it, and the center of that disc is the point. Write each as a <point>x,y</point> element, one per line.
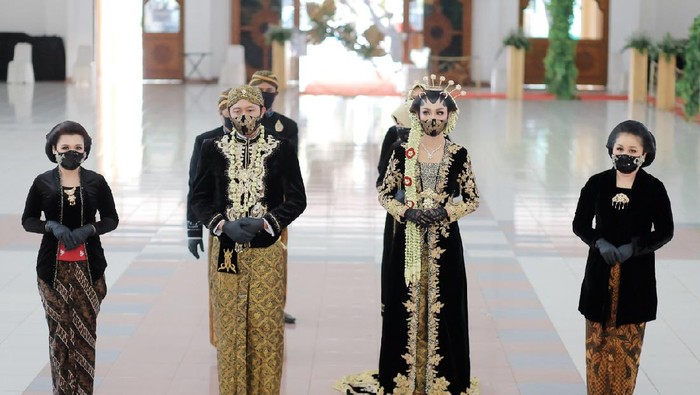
<point>20,69</point>
<point>233,70</point>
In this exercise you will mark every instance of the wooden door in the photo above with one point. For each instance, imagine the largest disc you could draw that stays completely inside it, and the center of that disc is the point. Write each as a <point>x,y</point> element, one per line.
<point>250,19</point>
<point>447,31</point>
<point>163,39</point>
<point>591,53</point>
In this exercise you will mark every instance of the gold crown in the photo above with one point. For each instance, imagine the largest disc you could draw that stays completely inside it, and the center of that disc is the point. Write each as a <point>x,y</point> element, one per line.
<point>448,89</point>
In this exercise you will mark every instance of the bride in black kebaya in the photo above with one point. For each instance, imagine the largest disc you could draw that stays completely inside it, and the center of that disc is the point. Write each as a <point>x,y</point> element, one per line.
<point>428,185</point>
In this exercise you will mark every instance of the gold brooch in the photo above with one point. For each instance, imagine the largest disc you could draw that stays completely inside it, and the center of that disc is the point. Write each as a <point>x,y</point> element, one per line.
<point>70,193</point>
<point>278,126</point>
<point>620,201</point>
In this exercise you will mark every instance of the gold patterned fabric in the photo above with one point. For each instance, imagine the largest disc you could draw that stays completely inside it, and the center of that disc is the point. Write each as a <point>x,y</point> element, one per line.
<point>425,339</point>
<point>71,307</point>
<point>211,269</point>
<point>249,321</point>
<point>612,352</point>
<point>244,92</point>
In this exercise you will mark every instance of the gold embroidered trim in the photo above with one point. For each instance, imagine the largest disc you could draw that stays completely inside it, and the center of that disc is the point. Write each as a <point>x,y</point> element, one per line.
<point>246,178</point>
<point>392,181</point>
<point>469,192</point>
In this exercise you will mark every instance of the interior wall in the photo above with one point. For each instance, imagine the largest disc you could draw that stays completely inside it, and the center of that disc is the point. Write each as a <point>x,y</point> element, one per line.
<point>207,28</point>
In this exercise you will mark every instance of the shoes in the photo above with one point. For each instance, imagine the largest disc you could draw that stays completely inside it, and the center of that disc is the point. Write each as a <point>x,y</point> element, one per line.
<point>288,319</point>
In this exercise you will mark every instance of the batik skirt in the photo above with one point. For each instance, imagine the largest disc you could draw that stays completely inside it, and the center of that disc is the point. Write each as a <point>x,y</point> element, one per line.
<point>612,352</point>
<point>71,304</point>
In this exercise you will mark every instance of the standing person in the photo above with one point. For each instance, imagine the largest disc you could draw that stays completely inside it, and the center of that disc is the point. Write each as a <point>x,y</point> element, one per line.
<point>397,133</point>
<point>274,122</point>
<point>633,219</point>
<point>248,188</point>
<point>425,339</point>
<point>194,228</point>
<point>71,261</point>
<point>281,127</point>
<point>195,241</point>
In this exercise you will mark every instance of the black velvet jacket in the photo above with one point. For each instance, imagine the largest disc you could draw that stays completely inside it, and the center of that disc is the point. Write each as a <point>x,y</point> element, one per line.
<point>45,196</point>
<point>646,221</point>
<point>282,127</point>
<point>194,227</point>
<point>284,193</point>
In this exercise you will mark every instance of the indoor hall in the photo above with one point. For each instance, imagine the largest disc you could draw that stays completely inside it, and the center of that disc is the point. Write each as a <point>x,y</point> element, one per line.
<point>524,264</point>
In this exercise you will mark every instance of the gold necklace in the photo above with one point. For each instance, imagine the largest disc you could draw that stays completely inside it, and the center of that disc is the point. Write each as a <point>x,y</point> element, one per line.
<point>430,152</point>
<point>70,194</point>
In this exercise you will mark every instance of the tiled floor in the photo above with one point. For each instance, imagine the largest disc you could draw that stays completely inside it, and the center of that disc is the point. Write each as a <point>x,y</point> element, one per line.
<point>524,264</point>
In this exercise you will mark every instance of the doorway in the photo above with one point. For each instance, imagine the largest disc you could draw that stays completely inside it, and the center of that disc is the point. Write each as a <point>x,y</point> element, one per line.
<point>589,29</point>
<point>163,39</point>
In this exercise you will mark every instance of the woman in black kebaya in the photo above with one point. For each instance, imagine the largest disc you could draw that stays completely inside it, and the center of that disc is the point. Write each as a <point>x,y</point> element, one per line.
<point>62,205</point>
<point>633,219</point>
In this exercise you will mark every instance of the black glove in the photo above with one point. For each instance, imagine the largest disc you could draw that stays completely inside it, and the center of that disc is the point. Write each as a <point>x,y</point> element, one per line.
<point>193,243</point>
<point>435,215</point>
<point>608,251</point>
<point>626,251</point>
<point>417,217</point>
<point>235,231</point>
<point>253,225</point>
<point>400,195</point>
<point>81,234</point>
<point>61,232</point>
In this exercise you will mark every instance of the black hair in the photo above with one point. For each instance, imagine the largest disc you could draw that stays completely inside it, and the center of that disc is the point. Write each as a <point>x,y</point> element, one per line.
<point>63,128</point>
<point>638,129</point>
<point>433,96</point>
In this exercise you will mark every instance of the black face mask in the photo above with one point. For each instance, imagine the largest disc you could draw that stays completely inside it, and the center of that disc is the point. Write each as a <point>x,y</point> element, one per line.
<point>627,164</point>
<point>70,160</point>
<point>246,124</point>
<point>228,124</point>
<point>433,126</point>
<point>268,99</point>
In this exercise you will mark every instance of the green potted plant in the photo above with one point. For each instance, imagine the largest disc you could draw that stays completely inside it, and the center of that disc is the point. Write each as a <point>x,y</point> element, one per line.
<point>277,34</point>
<point>641,46</point>
<point>517,39</point>
<point>667,49</point>
<point>560,62</point>
<point>516,44</point>
<point>689,84</point>
<point>640,42</point>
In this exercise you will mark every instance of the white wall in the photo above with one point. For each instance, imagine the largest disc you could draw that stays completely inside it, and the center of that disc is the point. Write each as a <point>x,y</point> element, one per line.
<point>22,16</point>
<point>220,30</point>
<point>491,21</point>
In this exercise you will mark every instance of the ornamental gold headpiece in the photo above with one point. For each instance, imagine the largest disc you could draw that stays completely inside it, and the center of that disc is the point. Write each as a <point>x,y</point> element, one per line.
<point>245,92</point>
<point>434,83</point>
<point>222,104</point>
<point>261,76</point>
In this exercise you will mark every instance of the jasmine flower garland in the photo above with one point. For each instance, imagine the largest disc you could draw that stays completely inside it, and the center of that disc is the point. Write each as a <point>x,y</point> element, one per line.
<point>413,235</point>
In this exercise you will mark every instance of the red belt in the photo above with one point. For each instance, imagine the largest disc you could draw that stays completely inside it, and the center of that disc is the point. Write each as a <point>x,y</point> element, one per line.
<point>76,254</point>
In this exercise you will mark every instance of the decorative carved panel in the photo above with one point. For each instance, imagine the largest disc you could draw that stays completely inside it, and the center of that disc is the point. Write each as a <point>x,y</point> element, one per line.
<point>447,32</point>
<point>250,19</point>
